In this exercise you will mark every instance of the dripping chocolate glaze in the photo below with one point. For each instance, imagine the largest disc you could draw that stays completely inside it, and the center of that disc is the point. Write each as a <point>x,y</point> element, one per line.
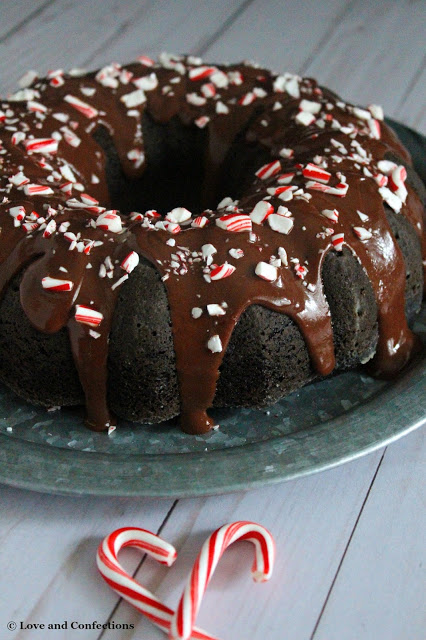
<point>258,106</point>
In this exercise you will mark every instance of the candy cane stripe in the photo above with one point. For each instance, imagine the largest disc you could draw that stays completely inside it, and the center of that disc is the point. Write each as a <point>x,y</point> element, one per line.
<point>126,586</point>
<point>210,554</point>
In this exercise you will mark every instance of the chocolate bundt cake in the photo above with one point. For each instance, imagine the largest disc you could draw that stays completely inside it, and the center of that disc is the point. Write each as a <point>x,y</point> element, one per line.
<point>127,287</point>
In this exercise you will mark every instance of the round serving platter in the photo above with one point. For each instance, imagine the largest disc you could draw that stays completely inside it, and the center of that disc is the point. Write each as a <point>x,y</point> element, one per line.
<point>318,427</point>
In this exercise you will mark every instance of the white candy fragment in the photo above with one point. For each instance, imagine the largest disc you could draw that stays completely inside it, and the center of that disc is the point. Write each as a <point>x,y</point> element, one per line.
<point>215,344</point>
<point>281,224</point>
<point>283,256</point>
<point>134,98</point>
<point>208,251</point>
<point>236,253</point>
<point>362,233</point>
<point>261,211</point>
<point>309,106</point>
<point>215,310</point>
<point>391,199</point>
<point>180,214</point>
<point>305,118</point>
<point>109,221</point>
<point>266,271</point>
<point>196,312</point>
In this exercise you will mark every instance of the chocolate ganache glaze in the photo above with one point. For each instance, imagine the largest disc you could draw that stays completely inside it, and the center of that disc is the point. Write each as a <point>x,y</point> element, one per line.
<point>324,186</point>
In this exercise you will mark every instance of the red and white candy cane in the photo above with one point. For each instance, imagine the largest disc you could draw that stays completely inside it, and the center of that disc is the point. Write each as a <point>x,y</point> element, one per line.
<point>210,554</point>
<point>128,588</point>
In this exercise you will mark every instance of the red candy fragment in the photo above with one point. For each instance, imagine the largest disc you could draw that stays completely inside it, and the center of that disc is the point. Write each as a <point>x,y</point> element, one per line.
<point>235,222</point>
<point>316,173</point>
<point>87,315</point>
<point>130,262</point>
<point>56,284</point>
<point>269,170</point>
<point>222,271</point>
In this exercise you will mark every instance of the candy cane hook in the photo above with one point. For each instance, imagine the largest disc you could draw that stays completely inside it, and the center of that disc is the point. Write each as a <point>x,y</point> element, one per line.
<point>128,588</point>
<point>208,558</point>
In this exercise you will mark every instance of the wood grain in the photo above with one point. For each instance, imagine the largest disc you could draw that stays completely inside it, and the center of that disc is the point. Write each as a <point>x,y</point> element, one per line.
<point>379,592</point>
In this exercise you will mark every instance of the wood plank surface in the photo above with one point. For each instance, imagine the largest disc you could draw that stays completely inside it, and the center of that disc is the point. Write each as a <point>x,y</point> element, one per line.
<point>381,586</point>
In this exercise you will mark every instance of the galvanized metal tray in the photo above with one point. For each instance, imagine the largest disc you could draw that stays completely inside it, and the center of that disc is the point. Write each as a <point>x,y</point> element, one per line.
<point>320,426</point>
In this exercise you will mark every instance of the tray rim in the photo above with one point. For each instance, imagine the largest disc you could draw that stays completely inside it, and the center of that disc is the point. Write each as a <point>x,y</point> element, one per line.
<point>399,407</point>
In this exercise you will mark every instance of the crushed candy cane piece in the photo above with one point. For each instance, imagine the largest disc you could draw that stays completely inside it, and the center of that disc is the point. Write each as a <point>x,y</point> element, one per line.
<point>266,271</point>
<point>87,315</point>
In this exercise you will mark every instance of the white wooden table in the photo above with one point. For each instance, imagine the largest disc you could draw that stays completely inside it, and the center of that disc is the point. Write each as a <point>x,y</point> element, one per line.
<point>350,541</point>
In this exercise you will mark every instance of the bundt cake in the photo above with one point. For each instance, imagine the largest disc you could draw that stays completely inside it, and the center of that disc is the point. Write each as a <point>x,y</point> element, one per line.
<point>127,287</point>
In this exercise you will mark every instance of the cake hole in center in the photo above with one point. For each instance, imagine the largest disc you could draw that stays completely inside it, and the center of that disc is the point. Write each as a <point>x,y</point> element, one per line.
<point>178,172</point>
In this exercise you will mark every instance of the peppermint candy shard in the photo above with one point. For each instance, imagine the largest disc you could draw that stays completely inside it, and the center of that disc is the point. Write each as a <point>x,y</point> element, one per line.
<point>397,182</point>
<point>199,73</point>
<point>337,241</point>
<point>87,315</point>
<point>88,199</point>
<point>305,118</point>
<point>222,271</point>
<point>18,137</point>
<point>82,107</point>
<point>363,216</point>
<point>19,179</point>
<point>202,121</point>
<point>215,310</point>
<point>109,221</point>
<point>235,222</point>
<point>208,251</point>
<point>375,130</point>
<point>41,145</point>
<point>171,227</point>
<point>268,170</point>
<point>316,173</point>
<point>236,253</point>
<point>130,262</point>
<point>136,156</point>
<point>310,107</point>
<point>282,253</point>
<point>390,198</point>
<point>300,270</point>
<point>285,178</point>
<point>56,284</point>
<point>340,189</point>
<point>208,90</point>
<point>215,344</point>
<point>386,166</point>
<point>179,214</point>
<point>266,271</point>
<point>376,111</point>
<point>261,211</point>
<point>331,214</point>
<point>146,83</point>
<point>134,98</point>
<point>199,222</point>
<point>196,312</point>
<point>50,228</point>
<point>281,224</point>
<point>362,233</point>
<point>18,213</point>
<point>37,190</point>
<point>286,152</point>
